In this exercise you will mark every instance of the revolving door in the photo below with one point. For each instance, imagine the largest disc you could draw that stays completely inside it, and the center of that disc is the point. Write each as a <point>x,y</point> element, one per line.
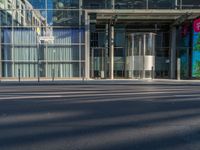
<point>140,58</point>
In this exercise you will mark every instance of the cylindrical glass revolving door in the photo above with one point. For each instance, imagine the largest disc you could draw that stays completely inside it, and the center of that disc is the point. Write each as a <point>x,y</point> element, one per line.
<point>140,58</point>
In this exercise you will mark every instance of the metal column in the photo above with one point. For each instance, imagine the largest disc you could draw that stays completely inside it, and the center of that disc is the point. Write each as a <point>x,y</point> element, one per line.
<point>144,60</point>
<point>176,4</point>
<point>131,61</point>
<point>106,51</point>
<point>111,52</point>
<point>113,4</point>
<point>80,40</point>
<point>87,46</point>
<point>1,70</point>
<point>173,54</point>
<point>92,63</point>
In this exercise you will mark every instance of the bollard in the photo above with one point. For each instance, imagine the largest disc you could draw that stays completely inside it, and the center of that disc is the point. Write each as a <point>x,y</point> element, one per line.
<point>152,73</point>
<point>178,69</point>
<point>19,75</point>
<point>38,76</point>
<point>53,74</point>
<point>38,73</point>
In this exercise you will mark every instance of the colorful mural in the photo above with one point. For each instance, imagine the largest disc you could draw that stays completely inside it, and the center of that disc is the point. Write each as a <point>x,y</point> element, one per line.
<point>196,55</point>
<point>184,50</point>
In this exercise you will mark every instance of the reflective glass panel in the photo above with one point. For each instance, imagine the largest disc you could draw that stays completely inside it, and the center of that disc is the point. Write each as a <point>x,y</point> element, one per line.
<point>130,4</point>
<point>96,4</point>
<point>63,17</point>
<point>190,4</point>
<point>161,4</point>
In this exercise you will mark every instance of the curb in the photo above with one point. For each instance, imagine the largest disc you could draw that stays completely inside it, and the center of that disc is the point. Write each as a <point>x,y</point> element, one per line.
<point>109,82</point>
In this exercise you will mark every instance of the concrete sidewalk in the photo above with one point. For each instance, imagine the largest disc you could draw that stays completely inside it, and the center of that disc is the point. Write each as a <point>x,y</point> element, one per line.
<point>102,82</point>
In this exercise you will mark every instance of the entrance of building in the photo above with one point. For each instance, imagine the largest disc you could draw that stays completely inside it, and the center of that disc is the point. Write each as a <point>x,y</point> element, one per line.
<point>135,61</point>
<point>140,60</point>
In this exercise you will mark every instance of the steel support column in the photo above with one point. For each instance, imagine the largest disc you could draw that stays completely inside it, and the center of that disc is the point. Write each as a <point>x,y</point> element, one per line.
<point>1,70</point>
<point>87,46</point>
<point>106,51</point>
<point>80,40</point>
<point>112,52</point>
<point>176,4</point>
<point>173,53</point>
<point>113,4</point>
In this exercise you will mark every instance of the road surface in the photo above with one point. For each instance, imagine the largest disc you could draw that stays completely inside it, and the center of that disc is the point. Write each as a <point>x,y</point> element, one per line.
<point>100,117</point>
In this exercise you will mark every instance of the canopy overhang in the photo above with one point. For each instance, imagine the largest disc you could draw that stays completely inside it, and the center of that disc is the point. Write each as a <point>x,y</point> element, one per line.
<point>143,14</point>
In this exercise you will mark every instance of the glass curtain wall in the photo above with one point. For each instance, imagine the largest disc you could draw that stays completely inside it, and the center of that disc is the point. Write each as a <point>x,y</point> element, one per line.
<point>189,4</point>
<point>23,22</point>
<point>97,4</point>
<point>141,4</point>
<point>24,54</point>
<point>162,54</point>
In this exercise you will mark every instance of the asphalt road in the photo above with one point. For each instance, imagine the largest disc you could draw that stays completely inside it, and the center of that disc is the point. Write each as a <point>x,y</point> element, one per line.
<point>100,117</point>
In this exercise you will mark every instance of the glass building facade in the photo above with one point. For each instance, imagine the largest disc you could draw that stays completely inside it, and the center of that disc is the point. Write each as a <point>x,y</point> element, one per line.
<point>67,39</point>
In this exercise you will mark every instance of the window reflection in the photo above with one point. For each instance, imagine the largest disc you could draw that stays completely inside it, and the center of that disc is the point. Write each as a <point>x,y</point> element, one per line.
<point>161,4</point>
<point>64,17</point>
<point>123,4</point>
<point>96,4</point>
<point>63,4</point>
<point>54,4</point>
<point>190,4</point>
